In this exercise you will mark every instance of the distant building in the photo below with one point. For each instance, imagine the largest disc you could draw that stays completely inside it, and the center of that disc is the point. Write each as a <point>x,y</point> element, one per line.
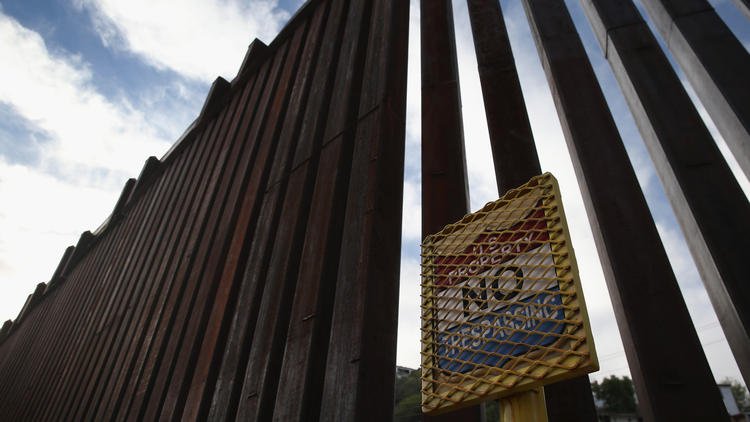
<point>735,414</point>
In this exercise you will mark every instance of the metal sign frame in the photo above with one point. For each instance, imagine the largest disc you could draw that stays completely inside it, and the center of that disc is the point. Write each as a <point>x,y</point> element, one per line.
<point>502,305</point>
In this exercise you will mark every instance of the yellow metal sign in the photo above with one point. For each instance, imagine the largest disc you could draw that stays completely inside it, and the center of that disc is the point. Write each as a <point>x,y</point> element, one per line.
<point>502,306</point>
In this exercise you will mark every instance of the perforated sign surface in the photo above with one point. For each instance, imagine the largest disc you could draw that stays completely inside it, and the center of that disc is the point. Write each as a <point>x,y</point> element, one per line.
<point>502,307</point>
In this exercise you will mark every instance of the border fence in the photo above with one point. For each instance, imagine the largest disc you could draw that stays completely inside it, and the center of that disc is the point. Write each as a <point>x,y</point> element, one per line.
<point>252,272</point>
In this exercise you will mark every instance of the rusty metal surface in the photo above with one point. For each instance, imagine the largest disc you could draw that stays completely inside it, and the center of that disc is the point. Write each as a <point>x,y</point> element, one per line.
<point>445,192</point>
<point>183,298</point>
<point>513,150</point>
<point>514,153</point>
<point>708,201</point>
<point>715,63</point>
<point>642,285</point>
<point>252,272</point>
<point>363,285</point>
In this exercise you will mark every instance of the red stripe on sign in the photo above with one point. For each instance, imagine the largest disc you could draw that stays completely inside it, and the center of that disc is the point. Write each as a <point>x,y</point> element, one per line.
<point>491,248</point>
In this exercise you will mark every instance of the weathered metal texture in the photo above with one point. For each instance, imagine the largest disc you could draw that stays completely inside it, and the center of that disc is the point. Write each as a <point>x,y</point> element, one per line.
<point>230,378</point>
<point>369,254</point>
<point>707,199</point>
<point>570,400</point>
<point>714,61</point>
<point>716,224</point>
<point>445,193</point>
<point>513,149</point>
<point>260,255</point>
<point>62,290</point>
<point>648,305</point>
<point>514,153</point>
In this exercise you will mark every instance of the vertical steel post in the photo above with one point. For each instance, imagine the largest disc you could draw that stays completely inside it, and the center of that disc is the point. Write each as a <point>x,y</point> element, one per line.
<point>709,203</point>
<point>515,157</point>
<point>360,367</point>
<point>715,63</point>
<point>445,194</point>
<point>570,400</point>
<point>645,295</point>
<point>192,282</point>
<point>512,142</point>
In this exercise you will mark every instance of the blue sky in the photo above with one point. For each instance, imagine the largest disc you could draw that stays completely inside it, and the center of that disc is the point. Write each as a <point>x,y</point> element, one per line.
<point>90,88</point>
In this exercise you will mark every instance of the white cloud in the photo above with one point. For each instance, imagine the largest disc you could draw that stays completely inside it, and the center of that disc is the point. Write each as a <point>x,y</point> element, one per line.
<point>412,209</point>
<point>87,131</point>
<point>480,168</point>
<point>91,145</point>
<point>199,39</point>
<point>412,213</point>
<point>40,216</point>
<point>407,347</point>
<point>409,324</point>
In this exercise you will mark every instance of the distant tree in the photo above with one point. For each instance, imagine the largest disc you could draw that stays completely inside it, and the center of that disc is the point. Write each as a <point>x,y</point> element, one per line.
<point>409,409</point>
<point>408,398</point>
<point>616,393</point>
<point>492,410</point>
<point>408,385</point>
<point>740,394</point>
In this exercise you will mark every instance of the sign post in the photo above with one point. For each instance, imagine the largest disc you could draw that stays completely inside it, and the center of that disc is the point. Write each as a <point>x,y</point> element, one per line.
<point>527,406</point>
<point>502,308</point>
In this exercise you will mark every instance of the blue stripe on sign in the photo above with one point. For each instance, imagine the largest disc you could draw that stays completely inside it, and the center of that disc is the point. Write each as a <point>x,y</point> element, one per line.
<point>482,339</point>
